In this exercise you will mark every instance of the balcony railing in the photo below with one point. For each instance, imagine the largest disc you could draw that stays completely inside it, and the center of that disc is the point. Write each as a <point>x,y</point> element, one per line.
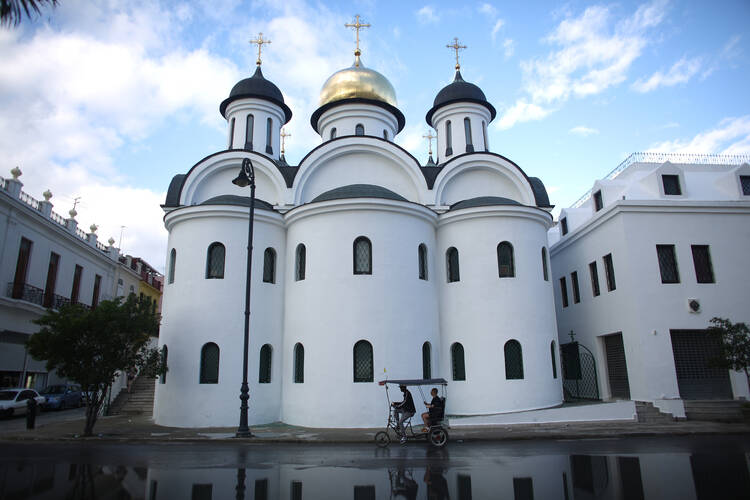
<point>34,295</point>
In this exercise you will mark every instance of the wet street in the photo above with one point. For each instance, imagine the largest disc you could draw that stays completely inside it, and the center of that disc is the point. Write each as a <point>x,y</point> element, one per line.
<point>636,468</point>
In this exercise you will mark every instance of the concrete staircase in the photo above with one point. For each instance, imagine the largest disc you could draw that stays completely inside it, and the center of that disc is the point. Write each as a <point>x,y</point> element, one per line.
<point>716,410</point>
<point>140,400</point>
<point>648,413</point>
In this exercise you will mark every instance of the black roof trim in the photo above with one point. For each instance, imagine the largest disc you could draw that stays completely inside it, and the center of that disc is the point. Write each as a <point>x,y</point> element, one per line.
<point>233,199</point>
<point>358,191</point>
<point>430,174</point>
<point>173,193</point>
<point>486,104</point>
<point>358,100</point>
<point>483,201</point>
<point>540,192</point>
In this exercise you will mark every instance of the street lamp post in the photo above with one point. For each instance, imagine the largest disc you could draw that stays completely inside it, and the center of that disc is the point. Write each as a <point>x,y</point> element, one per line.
<point>246,177</point>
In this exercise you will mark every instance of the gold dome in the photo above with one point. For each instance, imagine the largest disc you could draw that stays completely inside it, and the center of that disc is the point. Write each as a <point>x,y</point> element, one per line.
<point>357,82</point>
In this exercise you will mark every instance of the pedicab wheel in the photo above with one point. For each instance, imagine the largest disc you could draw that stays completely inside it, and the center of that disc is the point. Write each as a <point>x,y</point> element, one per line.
<point>438,437</point>
<point>382,439</point>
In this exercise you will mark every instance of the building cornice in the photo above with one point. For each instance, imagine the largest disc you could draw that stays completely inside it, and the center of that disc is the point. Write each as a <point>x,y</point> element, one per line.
<point>359,204</point>
<point>226,211</point>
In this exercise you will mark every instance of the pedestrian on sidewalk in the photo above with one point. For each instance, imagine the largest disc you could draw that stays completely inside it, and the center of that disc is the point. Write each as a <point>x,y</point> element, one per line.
<point>31,410</point>
<point>131,378</point>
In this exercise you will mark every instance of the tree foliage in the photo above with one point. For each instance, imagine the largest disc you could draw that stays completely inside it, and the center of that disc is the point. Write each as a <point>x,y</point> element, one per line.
<point>12,11</point>
<point>735,344</point>
<point>90,346</point>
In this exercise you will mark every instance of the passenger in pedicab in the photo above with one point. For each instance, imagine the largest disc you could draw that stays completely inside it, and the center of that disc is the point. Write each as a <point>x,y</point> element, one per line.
<point>404,410</point>
<point>434,410</point>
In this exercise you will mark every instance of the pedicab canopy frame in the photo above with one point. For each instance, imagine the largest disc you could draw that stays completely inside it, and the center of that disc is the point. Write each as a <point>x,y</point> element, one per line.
<point>419,382</point>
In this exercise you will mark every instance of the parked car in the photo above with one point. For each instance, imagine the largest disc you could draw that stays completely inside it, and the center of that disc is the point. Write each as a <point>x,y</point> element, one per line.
<point>14,401</point>
<point>62,396</point>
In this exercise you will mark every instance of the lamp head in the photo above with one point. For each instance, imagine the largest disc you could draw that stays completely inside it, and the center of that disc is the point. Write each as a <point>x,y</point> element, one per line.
<point>246,174</point>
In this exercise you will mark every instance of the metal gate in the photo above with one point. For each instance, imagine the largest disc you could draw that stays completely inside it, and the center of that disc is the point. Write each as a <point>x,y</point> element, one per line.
<point>693,350</point>
<point>617,367</point>
<point>579,372</point>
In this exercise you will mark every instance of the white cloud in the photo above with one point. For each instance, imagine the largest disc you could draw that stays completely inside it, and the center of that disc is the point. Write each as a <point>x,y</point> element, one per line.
<point>495,29</point>
<point>521,111</point>
<point>509,47</point>
<point>730,136</point>
<point>427,15</point>
<point>680,72</point>
<point>488,9</point>
<point>583,131</point>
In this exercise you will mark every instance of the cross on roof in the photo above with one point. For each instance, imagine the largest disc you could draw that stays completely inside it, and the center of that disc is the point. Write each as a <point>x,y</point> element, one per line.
<point>357,26</point>
<point>429,138</point>
<point>455,46</point>
<point>260,41</point>
<point>284,135</point>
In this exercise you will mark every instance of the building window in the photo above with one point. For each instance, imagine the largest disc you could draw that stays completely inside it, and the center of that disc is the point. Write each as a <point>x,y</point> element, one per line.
<point>362,256</point>
<point>261,489</point>
<point>249,129</point>
<point>215,261</point>
<point>385,134</point>
<point>299,363</point>
<point>574,284</point>
<point>269,131</point>
<point>269,265</point>
<point>457,361</point>
<point>484,136</point>
<point>598,205</point>
<point>296,490</point>
<point>172,262</point>
<point>299,262</point>
<point>364,492</point>
<point>564,291</point>
<point>95,295</point>
<point>505,265</point>
<point>264,367</point>
<point>564,225</point>
<point>422,255</point>
<point>704,271</point>
<point>513,360</point>
<point>22,268</point>
<point>545,269</point>
<point>49,287</point>
<point>745,184</point>
<point>231,133</point>
<point>463,485</point>
<point>667,264</point>
<point>363,367</point>
<point>467,133</point>
<point>594,273</point>
<point>359,129</point>
<point>671,184</point>
<point>333,133</point>
<point>448,139</point>
<point>209,373</point>
<point>426,360</point>
<point>451,258</point>
<point>164,356</point>
<point>553,358</point>
<point>609,270</point>
<point>202,492</point>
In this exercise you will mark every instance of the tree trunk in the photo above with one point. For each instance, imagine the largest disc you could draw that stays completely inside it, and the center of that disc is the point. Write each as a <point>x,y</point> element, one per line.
<point>92,412</point>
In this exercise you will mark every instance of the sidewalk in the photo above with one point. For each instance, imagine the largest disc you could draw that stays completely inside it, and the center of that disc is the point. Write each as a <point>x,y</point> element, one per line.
<point>123,428</point>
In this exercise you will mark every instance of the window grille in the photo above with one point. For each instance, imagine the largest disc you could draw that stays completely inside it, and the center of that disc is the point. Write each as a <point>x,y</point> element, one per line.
<point>264,370</point>
<point>598,205</point>
<point>505,265</point>
<point>363,369</point>
<point>671,184</point>
<point>209,364</point>
<point>745,184</point>
<point>554,360</point>
<point>385,134</point>
<point>448,139</point>
<point>574,284</point>
<point>513,360</point>
<point>422,251</point>
<point>609,270</point>
<point>299,263</point>
<point>333,133</point>
<point>231,133</point>
<point>299,364</point>
<point>457,360</point>
<point>359,129</point>
<point>564,291</point>
<point>172,262</point>
<point>215,261</point>
<point>594,274</point>
<point>249,129</point>
<point>451,257</point>
<point>704,271</point>
<point>164,356</point>
<point>362,256</point>
<point>667,264</point>
<point>467,133</point>
<point>545,269</point>
<point>426,360</point>
<point>564,225</point>
<point>269,265</point>
<point>269,130</point>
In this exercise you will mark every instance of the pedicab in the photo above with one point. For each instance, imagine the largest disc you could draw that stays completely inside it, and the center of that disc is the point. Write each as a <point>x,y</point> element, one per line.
<point>437,435</point>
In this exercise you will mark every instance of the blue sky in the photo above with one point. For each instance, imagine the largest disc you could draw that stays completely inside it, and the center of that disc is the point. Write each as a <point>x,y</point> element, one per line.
<point>108,100</point>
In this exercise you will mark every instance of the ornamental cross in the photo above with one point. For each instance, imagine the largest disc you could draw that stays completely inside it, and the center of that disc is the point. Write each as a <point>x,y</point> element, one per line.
<point>284,135</point>
<point>429,138</point>
<point>260,41</point>
<point>572,336</point>
<point>455,46</point>
<point>357,26</point>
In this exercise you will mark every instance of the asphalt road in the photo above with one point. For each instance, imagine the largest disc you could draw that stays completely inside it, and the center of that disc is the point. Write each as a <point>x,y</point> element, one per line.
<point>18,422</point>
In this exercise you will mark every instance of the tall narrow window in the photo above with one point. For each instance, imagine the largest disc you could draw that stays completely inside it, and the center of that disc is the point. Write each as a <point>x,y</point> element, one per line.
<point>426,360</point>
<point>49,287</point>
<point>667,264</point>
<point>545,270</point>
<point>22,268</point>
<point>95,295</point>
<point>269,265</point>
<point>362,256</point>
<point>564,226</point>
<point>333,133</point>
<point>523,488</point>
<point>164,359</point>
<point>264,367</point>
<point>296,490</point>
<point>448,139</point>
<point>598,205</point>
<point>704,271</point>
<point>172,262</point>
<point>269,134</point>
<point>553,358</point>
<point>574,284</point>
<point>467,133</point>
<point>594,273</point>
<point>299,262</point>
<point>385,134</point>
<point>249,130</point>
<point>261,489</point>
<point>451,258</point>
<point>76,284</point>
<point>209,373</point>
<point>422,255</point>
<point>513,360</point>
<point>359,129</point>
<point>505,265</point>
<point>363,366</point>
<point>484,136</point>
<point>671,185</point>
<point>231,134</point>
<point>299,363</point>
<point>745,184</point>
<point>609,270</point>
<point>215,261</point>
<point>457,362</point>
<point>564,291</point>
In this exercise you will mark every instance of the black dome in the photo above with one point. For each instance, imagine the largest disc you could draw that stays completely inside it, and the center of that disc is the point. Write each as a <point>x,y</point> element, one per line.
<point>359,191</point>
<point>258,87</point>
<point>459,91</point>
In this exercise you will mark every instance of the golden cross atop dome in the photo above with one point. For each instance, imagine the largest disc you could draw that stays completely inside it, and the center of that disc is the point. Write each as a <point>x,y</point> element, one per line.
<point>429,138</point>
<point>260,41</point>
<point>284,135</point>
<point>455,46</point>
<point>357,26</point>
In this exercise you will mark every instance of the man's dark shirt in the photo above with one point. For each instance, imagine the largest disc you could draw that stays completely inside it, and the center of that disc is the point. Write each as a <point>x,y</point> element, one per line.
<point>437,405</point>
<point>407,404</point>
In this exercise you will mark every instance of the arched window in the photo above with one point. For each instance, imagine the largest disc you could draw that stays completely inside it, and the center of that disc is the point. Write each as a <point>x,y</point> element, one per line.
<point>363,369</point>
<point>215,261</point>
<point>362,256</point>
<point>299,262</point>
<point>385,134</point>
<point>231,133</point>
<point>545,271</point>
<point>505,266</point>
<point>451,259</point>
<point>164,354</point>
<point>422,253</point>
<point>359,129</point>
<point>299,363</point>
<point>426,360</point>
<point>172,262</point>
<point>513,360</point>
<point>269,265</point>
<point>269,130</point>
<point>457,361</point>
<point>333,133</point>
<point>554,361</point>
<point>264,367</point>
<point>448,139</point>
<point>467,132</point>
<point>484,136</point>
<point>209,364</point>
<point>249,129</point>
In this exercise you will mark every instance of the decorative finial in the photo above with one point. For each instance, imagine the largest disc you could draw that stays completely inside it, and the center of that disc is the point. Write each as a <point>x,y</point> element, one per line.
<point>47,195</point>
<point>111,241</point>
<point>260,41</point>
<point>93,228</point>
<point>284,135</point>
<point>429,138</point>
<point>16,173</point>
<point>72,211</point>
<point>357,26</point>
<point>455,46</point>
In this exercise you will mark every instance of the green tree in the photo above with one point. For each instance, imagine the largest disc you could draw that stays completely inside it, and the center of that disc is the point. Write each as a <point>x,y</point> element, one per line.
<point>735,345</point>
<point>12,11</point>
<point>90,346</point>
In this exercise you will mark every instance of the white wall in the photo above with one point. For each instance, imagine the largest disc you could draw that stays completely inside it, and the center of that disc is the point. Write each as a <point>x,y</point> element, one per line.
<point>261,110</point>
<point>345,118</point>
<point>456,113</point>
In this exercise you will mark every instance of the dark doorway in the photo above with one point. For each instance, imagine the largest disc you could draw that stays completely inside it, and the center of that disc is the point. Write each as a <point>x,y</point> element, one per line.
<point>693,350</point>
<point>617,368</point>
